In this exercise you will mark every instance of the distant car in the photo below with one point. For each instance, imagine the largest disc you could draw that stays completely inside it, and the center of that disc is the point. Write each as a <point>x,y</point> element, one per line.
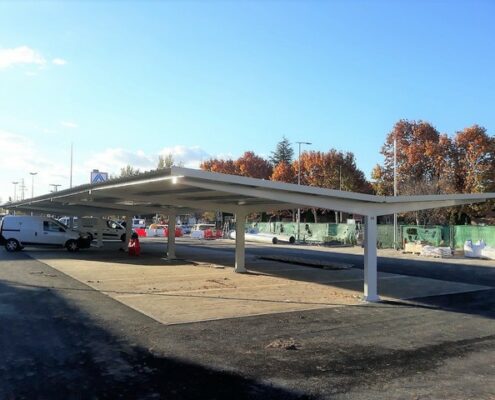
<point>186,229</point>
<point>138,223</point>
<point>198,231</point>
<point>19,231</point>
<point>163,229</point>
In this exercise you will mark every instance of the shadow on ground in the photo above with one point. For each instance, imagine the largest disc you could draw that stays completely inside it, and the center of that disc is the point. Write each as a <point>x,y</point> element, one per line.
<point>51,350</point>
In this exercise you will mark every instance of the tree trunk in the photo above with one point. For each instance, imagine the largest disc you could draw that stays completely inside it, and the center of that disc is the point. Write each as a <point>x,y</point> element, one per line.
<point>315,215</point>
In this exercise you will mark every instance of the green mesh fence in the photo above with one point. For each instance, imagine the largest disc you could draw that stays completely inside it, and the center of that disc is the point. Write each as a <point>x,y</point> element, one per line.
<point>311,232</point>
<point>431,235</point>
<point>314,233</point>
<point>474,233</point>
<point>453,236</point>
<point>385,237</point>
<point>344,233</point>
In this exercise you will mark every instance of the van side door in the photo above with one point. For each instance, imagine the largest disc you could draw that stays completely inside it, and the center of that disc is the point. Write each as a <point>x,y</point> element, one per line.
<point>53,234</point>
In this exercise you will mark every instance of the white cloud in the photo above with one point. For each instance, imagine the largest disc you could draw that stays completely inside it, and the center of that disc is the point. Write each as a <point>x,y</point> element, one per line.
<point>190,157</point>
<point>68,124</point>
<point>112,160</point>
<point>59,61</point>
<point>20,156</point>
<point>20,55</point>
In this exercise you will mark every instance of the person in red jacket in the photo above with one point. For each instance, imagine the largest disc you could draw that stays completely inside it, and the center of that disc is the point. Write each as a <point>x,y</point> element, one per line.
<point>134,245</point>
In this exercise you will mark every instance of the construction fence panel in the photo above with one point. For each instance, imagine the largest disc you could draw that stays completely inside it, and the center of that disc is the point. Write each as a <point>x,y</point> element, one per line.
<point>453,236</point>
<point>385,239</point>
<point>311,232</point>
<point>431,235</point>
<point>473,233</point>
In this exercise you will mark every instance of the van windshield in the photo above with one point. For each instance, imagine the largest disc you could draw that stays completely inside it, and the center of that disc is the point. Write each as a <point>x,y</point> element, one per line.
<point>60,224</point>
<point>64,226</point>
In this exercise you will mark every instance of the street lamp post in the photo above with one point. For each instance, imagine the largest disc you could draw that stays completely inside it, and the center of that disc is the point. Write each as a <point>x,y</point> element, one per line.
<point>395,190</point>
<point>32,182</point>
<point>299,182</point>
<point>15,190</point>
<point>55,187</point>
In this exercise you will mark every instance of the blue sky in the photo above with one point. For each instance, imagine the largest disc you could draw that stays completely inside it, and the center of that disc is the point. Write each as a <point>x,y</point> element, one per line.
<point>126,81</point>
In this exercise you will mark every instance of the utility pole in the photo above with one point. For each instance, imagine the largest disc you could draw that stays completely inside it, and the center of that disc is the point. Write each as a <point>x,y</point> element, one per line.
<point>22,188</point>
<point>299,182</point>
<point>32,182</point>
<point>71,162</point>
<point>15,190</point>
<point>340,188</point>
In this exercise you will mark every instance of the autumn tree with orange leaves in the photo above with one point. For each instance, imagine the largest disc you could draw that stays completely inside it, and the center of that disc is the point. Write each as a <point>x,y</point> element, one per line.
<point>249,164</point>
<point>284,172</point>
<point>432,163</point>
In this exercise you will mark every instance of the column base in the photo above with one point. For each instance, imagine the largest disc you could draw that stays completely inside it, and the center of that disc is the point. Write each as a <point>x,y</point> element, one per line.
<point>371,298</point>
<point>240,270</point>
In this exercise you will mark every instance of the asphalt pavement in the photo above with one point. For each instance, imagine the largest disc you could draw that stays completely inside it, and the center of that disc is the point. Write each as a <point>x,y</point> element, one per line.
<point>60,339</point>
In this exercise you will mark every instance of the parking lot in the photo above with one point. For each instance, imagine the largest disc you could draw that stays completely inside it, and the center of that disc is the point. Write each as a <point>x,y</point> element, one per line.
<point>99,321</point>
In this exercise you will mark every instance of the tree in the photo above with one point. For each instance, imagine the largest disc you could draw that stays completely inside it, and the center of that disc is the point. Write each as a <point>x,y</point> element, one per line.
<point>284,172</point>
<point>283,152</point>
<point>127,171</point>
<point>474,160</point>
<point>332,170</point>
<point>423,155</point>
<point>219,165</point>
<point>165,161</point>
<point>251,165</point>
<point>474,166</point>
<point>431,163</point>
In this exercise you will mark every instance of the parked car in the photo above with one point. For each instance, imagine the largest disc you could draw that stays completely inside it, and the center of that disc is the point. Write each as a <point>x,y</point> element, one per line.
<point>186,229</point>
<point>19,231</point>
<point>111,229</point>
<point>138,223</point>
<point>198,230</point>
<point>162,230</point>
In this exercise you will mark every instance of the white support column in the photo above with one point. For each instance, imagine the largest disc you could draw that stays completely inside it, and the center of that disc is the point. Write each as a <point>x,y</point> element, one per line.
<point>99,229</point>
<point>240,242</point>
<point>370,260</point>
<point>128,232</point>
<point>171,237</point>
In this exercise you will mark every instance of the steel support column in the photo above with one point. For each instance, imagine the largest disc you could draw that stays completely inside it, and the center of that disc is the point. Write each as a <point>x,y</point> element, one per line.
<point>171,237</point>
<point>240,242</point>
<point>99,230</point>
<point>128,232</point>
<point>370,260</point>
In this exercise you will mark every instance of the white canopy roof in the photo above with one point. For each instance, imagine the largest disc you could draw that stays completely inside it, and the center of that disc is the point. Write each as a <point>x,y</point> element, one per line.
<point>182,190</point>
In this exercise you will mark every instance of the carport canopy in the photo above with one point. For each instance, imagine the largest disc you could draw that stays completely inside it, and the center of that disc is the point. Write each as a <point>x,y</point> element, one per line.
<point>178,190</point>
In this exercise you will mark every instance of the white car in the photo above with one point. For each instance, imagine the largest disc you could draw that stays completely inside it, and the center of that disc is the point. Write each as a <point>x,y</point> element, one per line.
<point>198,230</point>
<point>19,231</point>
<point>111,229</point>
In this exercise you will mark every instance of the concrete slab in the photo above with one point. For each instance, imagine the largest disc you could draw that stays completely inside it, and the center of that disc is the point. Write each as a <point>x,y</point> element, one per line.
<point>181,291</point>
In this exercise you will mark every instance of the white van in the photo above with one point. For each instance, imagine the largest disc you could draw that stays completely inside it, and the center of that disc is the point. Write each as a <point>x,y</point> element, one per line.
<point>19,231</point>
<point>111,230</point>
